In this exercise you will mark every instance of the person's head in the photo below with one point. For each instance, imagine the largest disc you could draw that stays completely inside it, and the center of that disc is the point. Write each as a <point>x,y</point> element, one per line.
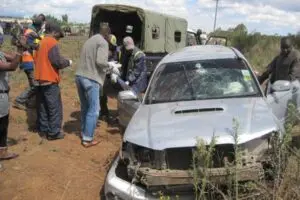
<point>54,30</point>
<point>104,30</point>
<point>286,45</point>
<point>128,43</point>
<point>37,23</point>
<point>199,32</point>
<point>42,17</point>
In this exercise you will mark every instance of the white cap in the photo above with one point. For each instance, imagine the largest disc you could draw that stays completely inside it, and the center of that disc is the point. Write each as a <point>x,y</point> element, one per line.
<point>128,43</point>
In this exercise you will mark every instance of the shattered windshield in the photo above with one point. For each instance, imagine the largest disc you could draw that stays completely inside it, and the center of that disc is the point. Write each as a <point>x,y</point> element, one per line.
<point>205,79</point>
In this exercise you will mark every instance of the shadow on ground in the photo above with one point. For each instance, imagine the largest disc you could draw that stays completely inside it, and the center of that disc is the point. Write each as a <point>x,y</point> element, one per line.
<point>73,126</point>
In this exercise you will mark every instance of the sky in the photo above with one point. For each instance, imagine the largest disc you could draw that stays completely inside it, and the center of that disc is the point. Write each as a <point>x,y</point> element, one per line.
<point>265,16</point>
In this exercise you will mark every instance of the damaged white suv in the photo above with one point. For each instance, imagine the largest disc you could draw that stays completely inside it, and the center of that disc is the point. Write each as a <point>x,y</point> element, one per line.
<point>195,92</point>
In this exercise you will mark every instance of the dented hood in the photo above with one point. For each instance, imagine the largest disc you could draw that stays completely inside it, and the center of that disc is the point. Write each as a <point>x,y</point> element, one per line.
<point>171,125</point>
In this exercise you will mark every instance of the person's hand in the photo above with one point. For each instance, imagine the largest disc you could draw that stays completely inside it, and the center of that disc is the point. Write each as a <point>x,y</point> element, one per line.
<point>114,68</point>
<point>114,78</point>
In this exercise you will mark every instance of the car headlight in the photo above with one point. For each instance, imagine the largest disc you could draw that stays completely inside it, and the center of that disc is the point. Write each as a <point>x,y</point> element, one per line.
<point>146,157</point>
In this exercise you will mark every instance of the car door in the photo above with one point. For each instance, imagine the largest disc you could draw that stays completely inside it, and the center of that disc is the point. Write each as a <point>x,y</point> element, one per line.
<point>279,100</point>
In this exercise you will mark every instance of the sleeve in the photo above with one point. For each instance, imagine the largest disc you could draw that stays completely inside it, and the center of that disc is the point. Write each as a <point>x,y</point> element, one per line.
<point>102,56</point>
<point>268,71</point>
<point>295,69</point>
<point>140,70</point>
<point>56,59</point>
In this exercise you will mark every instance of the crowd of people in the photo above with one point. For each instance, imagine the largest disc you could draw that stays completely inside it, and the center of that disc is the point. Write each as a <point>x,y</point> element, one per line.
<point>101,62</point>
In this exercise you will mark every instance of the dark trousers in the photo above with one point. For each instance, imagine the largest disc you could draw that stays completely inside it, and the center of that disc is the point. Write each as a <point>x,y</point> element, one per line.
<point>103,104</point>
<point>29,92</point>
<point>3,130</point>
<point>103,98</point>
<point>49,109</point>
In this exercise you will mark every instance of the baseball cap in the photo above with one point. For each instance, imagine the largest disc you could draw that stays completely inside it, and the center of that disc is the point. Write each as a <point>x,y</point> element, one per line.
<point>128,43</point>
<point>52,27</point>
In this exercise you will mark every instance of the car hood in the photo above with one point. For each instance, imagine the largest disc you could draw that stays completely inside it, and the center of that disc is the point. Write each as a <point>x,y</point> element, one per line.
<point>164,125</point>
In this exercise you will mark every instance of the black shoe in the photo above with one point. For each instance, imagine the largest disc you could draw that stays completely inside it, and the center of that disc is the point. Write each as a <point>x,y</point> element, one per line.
<point>111,121</point>
<point>19,106</point>
<point>58,136</point>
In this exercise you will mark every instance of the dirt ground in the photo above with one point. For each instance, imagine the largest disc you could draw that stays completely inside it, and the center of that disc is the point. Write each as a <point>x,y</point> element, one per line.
<point>56,169</point>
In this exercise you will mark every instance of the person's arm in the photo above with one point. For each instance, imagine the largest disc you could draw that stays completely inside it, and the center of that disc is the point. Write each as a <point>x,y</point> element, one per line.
<point>140,70</point>
<point>295,70</point>
<point>102,56</point>
<point>265,75</point>
<point>9,56</point>
<point>56,59</point>
<point>11,66</point>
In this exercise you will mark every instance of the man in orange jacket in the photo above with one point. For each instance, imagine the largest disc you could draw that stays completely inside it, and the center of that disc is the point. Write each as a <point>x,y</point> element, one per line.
<point>47,65</point>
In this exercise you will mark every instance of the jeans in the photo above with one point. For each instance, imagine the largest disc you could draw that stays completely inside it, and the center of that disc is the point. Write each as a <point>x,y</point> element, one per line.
<point>3,130</point>
<point>29,92</point>
<point>49,109</point>
<point>88,91</point>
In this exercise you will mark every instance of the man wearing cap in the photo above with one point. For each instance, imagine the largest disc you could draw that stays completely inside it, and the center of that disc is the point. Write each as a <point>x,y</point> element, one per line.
<point>134,70</point>
<point>112,56</point>
<point>47,65</point>
<point>27,64</point>
<point>90,76</point>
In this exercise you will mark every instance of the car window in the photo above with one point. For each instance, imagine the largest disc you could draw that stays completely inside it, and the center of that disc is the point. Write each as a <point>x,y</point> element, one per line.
<point>206,79</point>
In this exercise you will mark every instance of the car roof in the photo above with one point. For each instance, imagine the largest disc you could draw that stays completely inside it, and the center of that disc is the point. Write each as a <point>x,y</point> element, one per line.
<point>201,52</point>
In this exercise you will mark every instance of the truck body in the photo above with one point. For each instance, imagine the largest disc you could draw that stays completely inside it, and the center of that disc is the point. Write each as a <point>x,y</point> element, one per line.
<point>156,34</point>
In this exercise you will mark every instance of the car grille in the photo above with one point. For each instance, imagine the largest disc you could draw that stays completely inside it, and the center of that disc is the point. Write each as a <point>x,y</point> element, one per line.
<point>182,158</point>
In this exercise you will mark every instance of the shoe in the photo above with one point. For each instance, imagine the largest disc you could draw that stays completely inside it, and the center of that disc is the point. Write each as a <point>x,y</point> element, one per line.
<point>58,136</point>
<point>4,155</point>
<point>20,106</point>
<point>88,144</point>
<point>112,121</point>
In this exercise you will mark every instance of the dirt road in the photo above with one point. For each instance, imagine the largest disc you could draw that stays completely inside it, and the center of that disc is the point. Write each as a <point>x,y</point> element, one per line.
<point>56,170</point>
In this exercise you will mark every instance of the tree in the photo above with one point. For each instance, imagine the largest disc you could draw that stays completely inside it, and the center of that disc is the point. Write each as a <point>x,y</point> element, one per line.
<point>51,18</point>
<point>65,18</point>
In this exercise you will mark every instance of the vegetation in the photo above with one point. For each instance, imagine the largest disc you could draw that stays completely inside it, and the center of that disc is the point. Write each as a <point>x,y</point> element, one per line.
<point>259,49</point>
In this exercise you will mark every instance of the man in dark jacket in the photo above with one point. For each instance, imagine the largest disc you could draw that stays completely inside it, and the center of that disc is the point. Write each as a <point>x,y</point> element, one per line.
<point>285,66</point>
<point>134,70</point>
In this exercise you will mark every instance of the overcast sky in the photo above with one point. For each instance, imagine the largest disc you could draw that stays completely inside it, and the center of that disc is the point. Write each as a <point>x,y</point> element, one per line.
<point>266,16</point>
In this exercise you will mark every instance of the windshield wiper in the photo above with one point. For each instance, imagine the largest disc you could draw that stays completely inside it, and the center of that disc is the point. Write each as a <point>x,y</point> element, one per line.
<point>189,83</point>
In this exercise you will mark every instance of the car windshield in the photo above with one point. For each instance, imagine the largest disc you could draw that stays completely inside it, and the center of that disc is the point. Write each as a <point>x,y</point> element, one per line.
<point>204,79</point>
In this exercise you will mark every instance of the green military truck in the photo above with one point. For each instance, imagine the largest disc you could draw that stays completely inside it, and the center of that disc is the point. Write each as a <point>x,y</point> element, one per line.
<point>155,33</point>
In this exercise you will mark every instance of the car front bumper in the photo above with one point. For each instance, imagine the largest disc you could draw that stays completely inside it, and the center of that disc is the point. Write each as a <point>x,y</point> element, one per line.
<point>118,189</point>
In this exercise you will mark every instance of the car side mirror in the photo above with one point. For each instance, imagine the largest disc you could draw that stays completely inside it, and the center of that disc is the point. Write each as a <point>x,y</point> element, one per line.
<point>128,95</point>
<point>281,86</point>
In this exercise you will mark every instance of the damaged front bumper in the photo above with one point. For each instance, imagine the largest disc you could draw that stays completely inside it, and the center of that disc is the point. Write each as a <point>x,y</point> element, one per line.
<point>117,188</point>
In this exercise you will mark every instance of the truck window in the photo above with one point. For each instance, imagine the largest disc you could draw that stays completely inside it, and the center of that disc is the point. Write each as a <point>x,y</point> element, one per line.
<point>177,36</point>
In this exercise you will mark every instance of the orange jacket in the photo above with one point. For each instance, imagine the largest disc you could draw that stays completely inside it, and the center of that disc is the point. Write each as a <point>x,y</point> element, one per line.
<point>44,71</point>
<point>27,57</point>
